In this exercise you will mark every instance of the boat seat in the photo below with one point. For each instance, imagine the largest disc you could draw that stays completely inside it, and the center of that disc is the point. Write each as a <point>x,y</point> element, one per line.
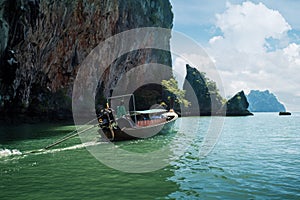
<point>124,122</point>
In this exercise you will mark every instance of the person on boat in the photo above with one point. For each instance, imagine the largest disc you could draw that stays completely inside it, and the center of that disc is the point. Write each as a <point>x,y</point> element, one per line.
<point>121,110</point>
<point>105,115</point>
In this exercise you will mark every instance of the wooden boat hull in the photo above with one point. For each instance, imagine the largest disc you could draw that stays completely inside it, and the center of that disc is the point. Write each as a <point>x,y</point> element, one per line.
<point>137,132</point>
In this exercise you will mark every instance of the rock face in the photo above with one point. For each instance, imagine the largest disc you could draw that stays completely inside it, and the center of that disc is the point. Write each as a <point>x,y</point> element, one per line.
<point>207,96</point>
<point>237,105</point>
<point>264,101</point>
<point>43,43</point>
<point>203,93</point>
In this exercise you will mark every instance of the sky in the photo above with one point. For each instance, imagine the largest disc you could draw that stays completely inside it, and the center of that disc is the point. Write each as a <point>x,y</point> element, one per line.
<point>254,45</point>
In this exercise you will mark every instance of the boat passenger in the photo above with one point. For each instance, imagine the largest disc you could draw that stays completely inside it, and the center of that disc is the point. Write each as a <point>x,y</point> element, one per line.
<point>121,110</point>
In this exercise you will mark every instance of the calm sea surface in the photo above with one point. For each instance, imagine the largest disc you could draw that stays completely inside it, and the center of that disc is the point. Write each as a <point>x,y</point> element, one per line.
<point>255,158</point>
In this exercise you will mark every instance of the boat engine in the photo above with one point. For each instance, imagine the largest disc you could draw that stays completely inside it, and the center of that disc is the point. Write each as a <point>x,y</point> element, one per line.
<point>105,118</point>
<point>107,123</point>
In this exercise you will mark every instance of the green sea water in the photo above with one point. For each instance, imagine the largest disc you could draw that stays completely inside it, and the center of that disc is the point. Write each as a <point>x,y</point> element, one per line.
<point>255,158</point>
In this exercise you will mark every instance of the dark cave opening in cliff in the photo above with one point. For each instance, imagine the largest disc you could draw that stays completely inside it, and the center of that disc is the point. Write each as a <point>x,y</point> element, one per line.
<point>148,96</point>
<point>152,96</point>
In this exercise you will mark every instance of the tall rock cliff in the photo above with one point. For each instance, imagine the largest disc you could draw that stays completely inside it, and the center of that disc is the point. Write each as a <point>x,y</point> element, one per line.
<point>208,99</point>
<point>43,43</point>
<point>237,105</point>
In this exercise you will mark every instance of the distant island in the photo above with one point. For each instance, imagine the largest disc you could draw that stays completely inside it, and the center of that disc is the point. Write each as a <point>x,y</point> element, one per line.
<point>264,101</point>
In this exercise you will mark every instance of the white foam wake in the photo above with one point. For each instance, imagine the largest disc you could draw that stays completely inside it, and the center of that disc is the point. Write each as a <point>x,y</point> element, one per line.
<point>8,152</point>
<point>5,153</point>
<point>78,146</point>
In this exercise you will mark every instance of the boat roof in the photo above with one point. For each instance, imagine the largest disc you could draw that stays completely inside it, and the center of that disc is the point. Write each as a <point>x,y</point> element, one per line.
<point>152,111</point>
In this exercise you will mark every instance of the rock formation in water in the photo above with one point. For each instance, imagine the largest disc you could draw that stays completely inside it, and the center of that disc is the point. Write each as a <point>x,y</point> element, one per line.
<point>43,43</point>
<point>202,93</point>
<point>264,101</point>
<point>206,100</point>
<point>237,105</point>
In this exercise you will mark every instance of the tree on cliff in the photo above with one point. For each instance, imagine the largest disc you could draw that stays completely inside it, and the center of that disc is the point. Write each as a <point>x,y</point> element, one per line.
<point>174,93</point>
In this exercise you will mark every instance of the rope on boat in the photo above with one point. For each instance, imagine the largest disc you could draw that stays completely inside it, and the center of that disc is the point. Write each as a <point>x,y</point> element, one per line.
<point>71,135</point>
<point>73,132</point>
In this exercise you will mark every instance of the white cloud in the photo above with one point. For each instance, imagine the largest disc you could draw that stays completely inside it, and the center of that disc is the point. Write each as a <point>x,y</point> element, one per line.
<point>293,53</point>
<point>216,39</point>
<point>246,27</point>
<point>241,55</point>
<point>179,70</point>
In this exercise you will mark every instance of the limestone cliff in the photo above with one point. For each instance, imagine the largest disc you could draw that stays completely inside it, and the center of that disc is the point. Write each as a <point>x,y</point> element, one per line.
<point>207,95</point>
<point>43,43</point>
<point>237,105</point>
<point>206,100</point>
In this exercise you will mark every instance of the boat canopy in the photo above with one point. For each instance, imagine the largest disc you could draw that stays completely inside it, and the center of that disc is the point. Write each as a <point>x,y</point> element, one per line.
<point>152,111</point>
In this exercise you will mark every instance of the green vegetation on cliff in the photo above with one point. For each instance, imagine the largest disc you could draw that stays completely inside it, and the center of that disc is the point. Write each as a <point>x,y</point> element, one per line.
<point>175,93</point>
<point>208,101</point>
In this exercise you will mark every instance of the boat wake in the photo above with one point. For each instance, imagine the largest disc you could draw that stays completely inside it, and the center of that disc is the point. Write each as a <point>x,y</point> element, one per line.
<point>78,146</point>
<point>7,153</point>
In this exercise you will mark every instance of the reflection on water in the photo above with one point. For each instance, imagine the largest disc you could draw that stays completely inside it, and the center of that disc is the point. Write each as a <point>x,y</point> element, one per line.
<point>68,171</point>
<point>255,158</point>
